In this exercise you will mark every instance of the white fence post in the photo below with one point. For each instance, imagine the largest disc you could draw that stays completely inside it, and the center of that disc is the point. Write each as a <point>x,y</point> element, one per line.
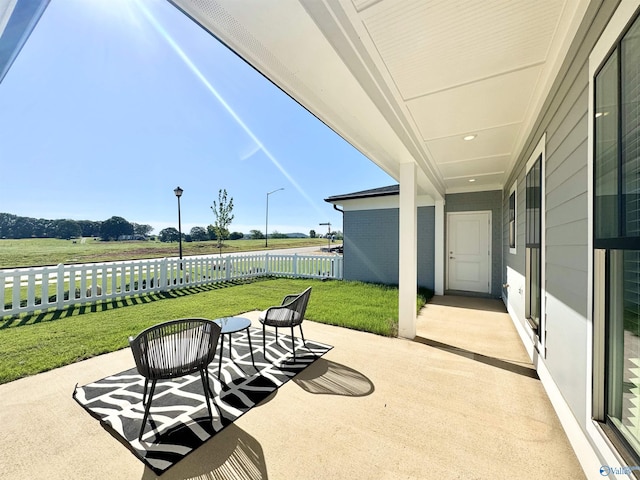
<point>60,287</point>
<point>31,290</point>
<point>164,274</point>
<point>44,289</point>
<point>3,285</point>
<point>15,302</point>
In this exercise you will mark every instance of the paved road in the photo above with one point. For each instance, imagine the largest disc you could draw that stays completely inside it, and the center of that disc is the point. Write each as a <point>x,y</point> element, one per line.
<point>315,250</point>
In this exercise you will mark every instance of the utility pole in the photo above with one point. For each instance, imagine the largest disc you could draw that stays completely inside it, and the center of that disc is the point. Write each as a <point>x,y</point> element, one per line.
<point>328,224</point>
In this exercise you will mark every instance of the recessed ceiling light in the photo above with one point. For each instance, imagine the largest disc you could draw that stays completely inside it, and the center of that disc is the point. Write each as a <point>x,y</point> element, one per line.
<point>472,179</point>
<point>469,137</point>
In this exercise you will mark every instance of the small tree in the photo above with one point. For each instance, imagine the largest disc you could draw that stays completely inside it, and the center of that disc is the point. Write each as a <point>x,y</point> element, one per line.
<point>67,229</point>
<point>112,228</point>
<point>143,230</point>
<point>256,235</point>
<point>199,234</point>
<point>222,210</point>
<point>169,235</point>
<point>312,233</point>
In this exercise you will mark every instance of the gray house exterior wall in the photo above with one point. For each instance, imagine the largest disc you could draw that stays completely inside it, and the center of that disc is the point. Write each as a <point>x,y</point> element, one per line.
<point>371,246</point>
<point>564,119</point>
<point>484,201</point>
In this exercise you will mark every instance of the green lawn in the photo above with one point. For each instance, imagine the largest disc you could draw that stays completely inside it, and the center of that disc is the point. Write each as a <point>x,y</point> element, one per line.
<point>49,251</point>
<point>39,342</point>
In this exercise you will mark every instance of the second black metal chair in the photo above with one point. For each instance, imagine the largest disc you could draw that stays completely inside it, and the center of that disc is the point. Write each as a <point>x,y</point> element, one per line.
<point>289,314</point>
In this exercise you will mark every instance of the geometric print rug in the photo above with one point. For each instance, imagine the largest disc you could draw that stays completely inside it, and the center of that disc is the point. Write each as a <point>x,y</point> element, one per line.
<point>179,421</point>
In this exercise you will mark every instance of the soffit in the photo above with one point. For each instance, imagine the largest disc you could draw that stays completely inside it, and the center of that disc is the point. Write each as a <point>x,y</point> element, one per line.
<point>405,80</point>
<point>17,21</point>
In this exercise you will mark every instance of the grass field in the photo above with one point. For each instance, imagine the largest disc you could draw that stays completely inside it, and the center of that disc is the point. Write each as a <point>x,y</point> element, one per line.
<point>39,342</point>
<point>46,251</point>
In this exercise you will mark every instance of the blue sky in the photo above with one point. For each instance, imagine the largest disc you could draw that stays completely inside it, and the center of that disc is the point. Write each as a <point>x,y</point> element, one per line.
<point>113,103</point>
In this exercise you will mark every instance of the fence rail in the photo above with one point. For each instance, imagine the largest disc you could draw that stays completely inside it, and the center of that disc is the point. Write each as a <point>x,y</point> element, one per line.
<point>28,290</point>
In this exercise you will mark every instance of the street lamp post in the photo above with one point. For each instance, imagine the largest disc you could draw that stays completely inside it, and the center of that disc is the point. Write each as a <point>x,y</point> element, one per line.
<point>266,222</point>
<point>178,191</point>
<point>328,224</point>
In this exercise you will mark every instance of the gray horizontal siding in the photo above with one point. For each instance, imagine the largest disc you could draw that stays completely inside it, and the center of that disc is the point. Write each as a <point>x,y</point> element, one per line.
<point>569,113</point>
<point>574,234</point>
<point>371,246</point>
<point>564,119</point>
<point>573,284</point>
<point>565,213</point>
<point>426,247</point>
<point>564,257</point>
<point>570,188</point>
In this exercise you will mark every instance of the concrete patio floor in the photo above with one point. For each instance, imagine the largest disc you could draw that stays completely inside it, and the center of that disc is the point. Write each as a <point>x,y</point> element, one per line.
<point>461,401</point>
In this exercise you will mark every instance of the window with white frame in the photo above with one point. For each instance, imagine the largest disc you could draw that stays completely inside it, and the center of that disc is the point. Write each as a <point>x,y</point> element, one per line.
<point>616,235</point>
<point>513,202</point>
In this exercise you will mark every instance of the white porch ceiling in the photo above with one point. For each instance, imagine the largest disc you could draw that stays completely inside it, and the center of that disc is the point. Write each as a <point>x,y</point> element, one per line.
<point>406,80</point>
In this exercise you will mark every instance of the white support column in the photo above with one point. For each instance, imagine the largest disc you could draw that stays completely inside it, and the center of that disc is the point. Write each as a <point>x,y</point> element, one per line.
<point>408,252</point>
<point>439,246</point>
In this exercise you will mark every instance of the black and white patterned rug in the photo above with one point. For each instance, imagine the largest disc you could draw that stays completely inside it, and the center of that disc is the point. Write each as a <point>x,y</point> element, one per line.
<point>179,420</point>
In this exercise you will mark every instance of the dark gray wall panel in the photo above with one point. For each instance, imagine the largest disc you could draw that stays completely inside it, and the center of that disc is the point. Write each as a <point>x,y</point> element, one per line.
<point>426,246</point>
<point>371,246</point>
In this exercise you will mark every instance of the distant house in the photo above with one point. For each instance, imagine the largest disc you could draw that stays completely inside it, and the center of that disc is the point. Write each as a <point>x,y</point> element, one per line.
<point>131,237</point>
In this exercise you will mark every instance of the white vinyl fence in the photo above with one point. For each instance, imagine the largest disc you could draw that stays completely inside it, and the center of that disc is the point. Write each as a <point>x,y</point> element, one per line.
<point>41,288</point>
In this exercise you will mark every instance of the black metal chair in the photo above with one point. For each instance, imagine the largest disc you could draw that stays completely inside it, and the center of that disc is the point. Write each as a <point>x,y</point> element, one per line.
<point>173,349</point>
<point>289,314</point>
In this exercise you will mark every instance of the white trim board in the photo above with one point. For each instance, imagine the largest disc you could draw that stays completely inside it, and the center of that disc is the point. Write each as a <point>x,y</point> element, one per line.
<point>540,151</point>
<point>382,202</point>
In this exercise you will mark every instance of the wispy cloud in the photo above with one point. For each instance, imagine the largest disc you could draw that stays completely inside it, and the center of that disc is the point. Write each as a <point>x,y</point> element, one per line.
<point>196,71</point>
<point>251,153</point>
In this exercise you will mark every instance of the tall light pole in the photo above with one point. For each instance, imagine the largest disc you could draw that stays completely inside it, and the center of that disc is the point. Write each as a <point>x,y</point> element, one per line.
<point>266,222</point>
<point>178,191</point>
<point>328,224</point>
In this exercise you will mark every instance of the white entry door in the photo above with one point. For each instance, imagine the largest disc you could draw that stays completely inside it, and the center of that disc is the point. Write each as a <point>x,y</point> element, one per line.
<point>469,251</point>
